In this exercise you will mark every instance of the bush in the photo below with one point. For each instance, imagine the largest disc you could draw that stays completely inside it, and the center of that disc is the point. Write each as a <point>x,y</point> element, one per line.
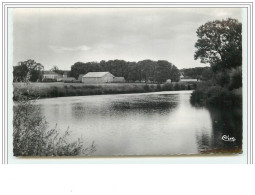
<point>167,87</point>
<point>235,78</point>
<point>158,87</point>
<point>177,87</point>
<point>222,79</point>
<point>214,95</point>
<point>30,134</point>
<point>146,88</point>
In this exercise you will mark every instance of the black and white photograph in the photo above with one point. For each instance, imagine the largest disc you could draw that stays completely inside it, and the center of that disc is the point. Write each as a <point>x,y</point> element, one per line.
<point>123,81</point>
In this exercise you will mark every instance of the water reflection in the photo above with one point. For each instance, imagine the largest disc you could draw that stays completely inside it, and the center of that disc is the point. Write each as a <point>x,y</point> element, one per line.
<point>162,123</point>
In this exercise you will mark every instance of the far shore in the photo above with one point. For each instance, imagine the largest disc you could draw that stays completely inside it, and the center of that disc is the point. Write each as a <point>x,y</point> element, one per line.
<point>60,89</point>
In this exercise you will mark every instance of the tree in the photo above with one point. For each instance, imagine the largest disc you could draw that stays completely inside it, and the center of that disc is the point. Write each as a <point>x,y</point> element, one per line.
<point>174,74</point>
<point>162,71</point>
<point>220,44</point>
<point>35,70</point>
<point>207,74</point>
<point>147,69</point>
<point>20,72</point>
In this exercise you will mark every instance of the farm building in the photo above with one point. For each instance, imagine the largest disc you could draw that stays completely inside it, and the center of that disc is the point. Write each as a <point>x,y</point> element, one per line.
<point>97,77</point>
<point>118,79</point>
<point>50,75</point>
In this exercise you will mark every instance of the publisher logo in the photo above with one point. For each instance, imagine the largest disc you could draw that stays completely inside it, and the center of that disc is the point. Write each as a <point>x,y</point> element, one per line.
<point>227,138</point>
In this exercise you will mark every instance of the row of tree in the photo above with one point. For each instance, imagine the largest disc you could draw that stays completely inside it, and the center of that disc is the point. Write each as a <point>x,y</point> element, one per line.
<point>202,73</point>
<point>146,70</point>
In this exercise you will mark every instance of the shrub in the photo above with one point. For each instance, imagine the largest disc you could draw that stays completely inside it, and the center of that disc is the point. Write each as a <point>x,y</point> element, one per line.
<point>146,88</point>
<point>158,87</point>
<point>222,79</point>
<point>30,134</point>
<point>214,95</point>
<point>177,87</point>
<point>168,87</point>
<point>235,78</point>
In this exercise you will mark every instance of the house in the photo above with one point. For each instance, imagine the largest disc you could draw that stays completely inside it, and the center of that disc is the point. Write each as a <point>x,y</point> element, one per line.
<point>184,78</point>
<point>65,75</point>
<point>118,79</point>
<point>97,77</point>
<point>181,75</point>
<point>50,75</point>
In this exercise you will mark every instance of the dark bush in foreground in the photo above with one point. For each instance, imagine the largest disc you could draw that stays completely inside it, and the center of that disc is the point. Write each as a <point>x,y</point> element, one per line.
<point>30,134</point>
<point>205,94</point>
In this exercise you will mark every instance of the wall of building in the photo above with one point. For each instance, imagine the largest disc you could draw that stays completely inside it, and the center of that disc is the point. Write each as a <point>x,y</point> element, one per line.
<point>108,78</point>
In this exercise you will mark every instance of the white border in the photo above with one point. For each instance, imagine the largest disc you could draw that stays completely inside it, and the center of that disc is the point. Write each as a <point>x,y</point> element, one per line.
<point>240,159</point>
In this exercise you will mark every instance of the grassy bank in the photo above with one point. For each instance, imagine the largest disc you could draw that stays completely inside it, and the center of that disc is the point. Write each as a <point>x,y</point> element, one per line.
<point>48,90</point>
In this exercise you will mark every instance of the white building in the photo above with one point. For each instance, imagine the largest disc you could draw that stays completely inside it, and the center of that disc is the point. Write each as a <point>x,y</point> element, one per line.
<point>51,75</point>
<point>97,78</point>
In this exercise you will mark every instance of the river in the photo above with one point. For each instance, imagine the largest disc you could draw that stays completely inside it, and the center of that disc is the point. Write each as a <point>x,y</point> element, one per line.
<point>158,123</point>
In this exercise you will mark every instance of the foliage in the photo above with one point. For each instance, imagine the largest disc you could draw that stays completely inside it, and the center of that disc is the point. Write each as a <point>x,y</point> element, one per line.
<point>207,74</point>
<point>220,44</point>
<point>222,78</point>
<point>145,70</point>
<point>235,78</point>
<point>193,73</point>
<point>30,134</point>
<point>30,66</point>
<point>209,94</point>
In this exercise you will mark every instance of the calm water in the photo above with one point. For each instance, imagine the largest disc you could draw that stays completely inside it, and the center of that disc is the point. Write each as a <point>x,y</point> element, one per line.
<point>159,123</point>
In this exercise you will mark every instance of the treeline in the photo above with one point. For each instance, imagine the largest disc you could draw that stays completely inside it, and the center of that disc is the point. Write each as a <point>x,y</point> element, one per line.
<point>146,70</point>
<point>201,73</point>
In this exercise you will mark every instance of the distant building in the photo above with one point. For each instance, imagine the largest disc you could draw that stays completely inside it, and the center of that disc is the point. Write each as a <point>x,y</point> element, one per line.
<point>188,80</point>
<point>181,75</point>
<point>65,75</point>
<point>50,75</point>
<point>97,78</point>
<point>184,78</point>
<point>119,80</point>
<point>168,81</point>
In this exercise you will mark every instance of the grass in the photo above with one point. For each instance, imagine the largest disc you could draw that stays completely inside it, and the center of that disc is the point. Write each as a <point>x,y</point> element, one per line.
<point>59,89</point>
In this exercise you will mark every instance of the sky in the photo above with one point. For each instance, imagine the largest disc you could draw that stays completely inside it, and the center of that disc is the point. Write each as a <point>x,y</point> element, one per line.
<point>63,36</point>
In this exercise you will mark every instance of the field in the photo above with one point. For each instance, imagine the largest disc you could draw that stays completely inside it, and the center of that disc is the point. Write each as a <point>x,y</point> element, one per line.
<point>59,89</point>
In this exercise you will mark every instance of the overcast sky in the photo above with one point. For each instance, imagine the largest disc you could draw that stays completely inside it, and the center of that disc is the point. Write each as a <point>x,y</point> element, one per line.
<point>64,36</point>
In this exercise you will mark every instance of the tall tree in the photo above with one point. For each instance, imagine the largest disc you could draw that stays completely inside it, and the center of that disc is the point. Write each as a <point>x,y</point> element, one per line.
<point>35,69</point>
<point>220,44</point>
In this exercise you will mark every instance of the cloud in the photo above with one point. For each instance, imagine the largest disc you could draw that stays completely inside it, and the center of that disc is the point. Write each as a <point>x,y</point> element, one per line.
<point>60,49</point>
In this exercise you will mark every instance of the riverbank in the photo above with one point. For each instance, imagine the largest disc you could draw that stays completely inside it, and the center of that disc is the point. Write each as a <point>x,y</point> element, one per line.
<point>207,94</point>
<point>50,90</point>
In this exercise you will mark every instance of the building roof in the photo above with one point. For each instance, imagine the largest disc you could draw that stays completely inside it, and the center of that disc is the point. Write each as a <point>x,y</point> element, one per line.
<point>95,74</point>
